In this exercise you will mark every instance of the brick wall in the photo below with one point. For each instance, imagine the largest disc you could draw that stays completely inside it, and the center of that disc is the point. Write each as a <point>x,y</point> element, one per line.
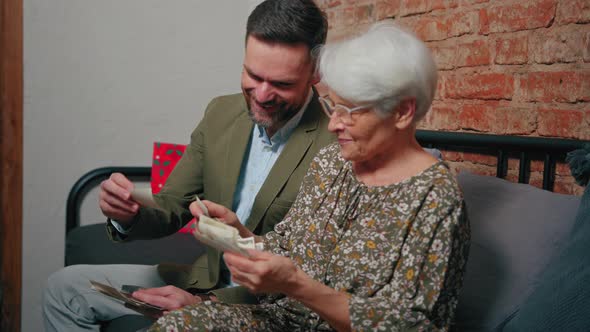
<point>509,67</point>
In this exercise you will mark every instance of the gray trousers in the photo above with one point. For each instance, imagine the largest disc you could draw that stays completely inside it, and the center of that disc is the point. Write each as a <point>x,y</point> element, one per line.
<point>69,304</point>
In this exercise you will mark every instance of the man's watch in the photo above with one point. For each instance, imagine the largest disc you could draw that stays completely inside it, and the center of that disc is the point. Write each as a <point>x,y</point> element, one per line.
<point>114,231</point>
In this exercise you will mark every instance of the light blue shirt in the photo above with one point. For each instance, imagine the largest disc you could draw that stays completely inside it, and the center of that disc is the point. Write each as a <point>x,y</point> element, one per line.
<point>262,153</point>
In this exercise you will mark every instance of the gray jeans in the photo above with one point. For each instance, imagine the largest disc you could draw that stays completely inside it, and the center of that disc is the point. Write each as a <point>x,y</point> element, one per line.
<point>69,304</point>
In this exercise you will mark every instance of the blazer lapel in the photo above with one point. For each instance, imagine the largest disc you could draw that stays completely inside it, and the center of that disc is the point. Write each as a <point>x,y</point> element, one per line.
<point>295,149</point>
<point>235,152</point>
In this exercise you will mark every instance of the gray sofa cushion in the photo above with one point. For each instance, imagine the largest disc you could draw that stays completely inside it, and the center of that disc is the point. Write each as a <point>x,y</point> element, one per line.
<point>515,230</point>
<point>128,323</point>
<point>90,245</point>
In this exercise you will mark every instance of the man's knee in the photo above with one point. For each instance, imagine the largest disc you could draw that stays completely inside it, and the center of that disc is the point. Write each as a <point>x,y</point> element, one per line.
<point>62,282</point>
<point>65,301</point>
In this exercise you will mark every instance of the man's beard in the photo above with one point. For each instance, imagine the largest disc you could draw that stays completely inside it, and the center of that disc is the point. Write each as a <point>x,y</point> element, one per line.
<point>278,118</point>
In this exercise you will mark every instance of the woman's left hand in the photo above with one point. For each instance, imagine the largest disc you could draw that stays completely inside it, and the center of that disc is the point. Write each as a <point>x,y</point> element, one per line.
<point>262,272</point>
<point>222,214</point>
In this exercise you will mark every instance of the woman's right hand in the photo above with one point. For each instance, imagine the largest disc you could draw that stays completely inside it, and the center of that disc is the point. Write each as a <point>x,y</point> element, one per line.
<point>115,200</point>
<point>222,214</point>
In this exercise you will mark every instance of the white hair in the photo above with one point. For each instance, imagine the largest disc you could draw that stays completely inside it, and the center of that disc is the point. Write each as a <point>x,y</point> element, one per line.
<point>381,67</point>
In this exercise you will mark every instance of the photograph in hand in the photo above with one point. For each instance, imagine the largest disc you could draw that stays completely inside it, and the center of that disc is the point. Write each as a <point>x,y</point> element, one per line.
<point>215,233</point>
<point>143,196</point>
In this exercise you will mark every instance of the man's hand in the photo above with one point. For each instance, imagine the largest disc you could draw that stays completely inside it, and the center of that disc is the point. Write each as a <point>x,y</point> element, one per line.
<point>223,214</point>
<point>115,198</point>
<point>263,272</point>
<point>167,297</point>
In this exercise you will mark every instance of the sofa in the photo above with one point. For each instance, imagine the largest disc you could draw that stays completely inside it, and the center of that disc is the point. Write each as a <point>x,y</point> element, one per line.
<point>525,270</point>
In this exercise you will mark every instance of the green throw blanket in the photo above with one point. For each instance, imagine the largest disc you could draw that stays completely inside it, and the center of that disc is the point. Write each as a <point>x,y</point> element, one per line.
<point>561,301</point>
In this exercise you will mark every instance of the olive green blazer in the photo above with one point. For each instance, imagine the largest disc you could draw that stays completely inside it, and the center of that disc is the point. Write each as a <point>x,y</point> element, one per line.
<point>210,167</point>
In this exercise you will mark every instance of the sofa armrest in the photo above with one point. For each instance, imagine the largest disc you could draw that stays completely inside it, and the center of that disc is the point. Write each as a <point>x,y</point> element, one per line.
<point>88,181</point>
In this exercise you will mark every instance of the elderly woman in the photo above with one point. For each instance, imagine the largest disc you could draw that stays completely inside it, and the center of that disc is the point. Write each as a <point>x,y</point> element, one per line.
<point>377,238</point>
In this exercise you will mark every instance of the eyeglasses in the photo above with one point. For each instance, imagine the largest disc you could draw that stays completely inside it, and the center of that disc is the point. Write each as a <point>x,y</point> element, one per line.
<point>343,112</point>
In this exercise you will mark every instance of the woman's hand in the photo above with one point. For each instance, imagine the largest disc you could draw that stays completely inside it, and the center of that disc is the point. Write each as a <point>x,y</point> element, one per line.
<point>262,272</point>
<point>222,213</point>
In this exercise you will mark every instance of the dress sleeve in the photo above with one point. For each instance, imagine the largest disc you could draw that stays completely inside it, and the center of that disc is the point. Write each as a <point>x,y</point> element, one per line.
<point>422,294</point>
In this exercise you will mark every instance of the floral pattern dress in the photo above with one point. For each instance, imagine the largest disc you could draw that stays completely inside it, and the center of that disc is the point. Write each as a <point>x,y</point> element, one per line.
<point>399,252</point>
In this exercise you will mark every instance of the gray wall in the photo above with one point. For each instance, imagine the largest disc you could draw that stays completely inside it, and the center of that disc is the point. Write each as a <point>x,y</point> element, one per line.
<point>103,80</point>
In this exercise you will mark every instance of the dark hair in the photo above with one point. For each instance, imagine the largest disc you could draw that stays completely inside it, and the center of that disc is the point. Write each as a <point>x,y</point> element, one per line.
<point>288,22</point>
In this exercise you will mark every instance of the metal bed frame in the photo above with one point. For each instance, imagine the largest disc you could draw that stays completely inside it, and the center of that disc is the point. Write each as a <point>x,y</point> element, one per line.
<point>526,149</point>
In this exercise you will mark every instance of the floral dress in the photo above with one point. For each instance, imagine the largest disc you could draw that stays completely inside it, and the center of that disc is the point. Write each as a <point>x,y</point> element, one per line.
<point>399,252</point>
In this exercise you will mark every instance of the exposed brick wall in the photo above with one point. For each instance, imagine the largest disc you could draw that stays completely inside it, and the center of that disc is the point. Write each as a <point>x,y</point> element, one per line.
<point>509,67</point>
